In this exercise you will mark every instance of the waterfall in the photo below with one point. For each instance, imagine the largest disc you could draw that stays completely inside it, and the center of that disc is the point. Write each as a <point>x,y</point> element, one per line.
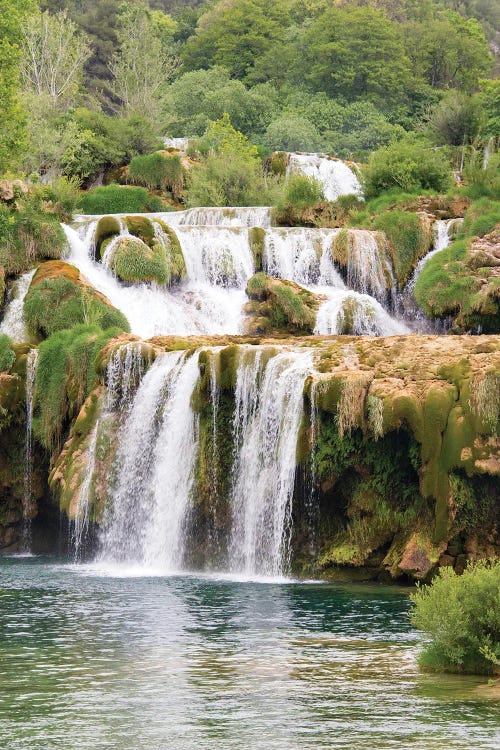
<point>302,255</point>
<point>349,312</point>
<point>217,256</point>
<point>196,306</point>
<point>336,177</point>
<point>256,216</point>
<point>157,448</point>
<point>13,323</point>
<point>368,268</point>
<point>80,525</point>
<point>31,365</point>
<point>268,414</point>
<point>443,231</point>
<point>181,144</point>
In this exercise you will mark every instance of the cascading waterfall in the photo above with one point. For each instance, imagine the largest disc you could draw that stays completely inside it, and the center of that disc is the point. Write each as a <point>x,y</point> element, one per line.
<point>250,216</point>
<point>368,268</point>
<point>80,526</point>
<point>31,365</point>
<point>302,255</point>
<point>195,307</point>
<point>13,323</point>
<point>443,231</point>
<point>336,177</point>
<point>268,413</point>
<point>306,256</point>
<point>350,312</point>
<point>157,448</point>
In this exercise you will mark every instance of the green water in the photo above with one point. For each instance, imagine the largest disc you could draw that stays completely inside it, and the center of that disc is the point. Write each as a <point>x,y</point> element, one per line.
<point>90,660</point>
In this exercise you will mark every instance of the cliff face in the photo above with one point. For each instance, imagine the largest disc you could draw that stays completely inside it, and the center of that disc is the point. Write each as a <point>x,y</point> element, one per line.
<point>398,460</point>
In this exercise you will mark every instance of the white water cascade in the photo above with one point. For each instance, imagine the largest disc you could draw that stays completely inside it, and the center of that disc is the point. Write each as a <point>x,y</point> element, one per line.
<point>13,323</point>
<point>157,448</point>
<point>337,177</point>
<point>268,413</point>
<point>31,365</point>
<point>306,257</point>
<point>444,231</point>
<point>204,304</point>
<point>207,216</point>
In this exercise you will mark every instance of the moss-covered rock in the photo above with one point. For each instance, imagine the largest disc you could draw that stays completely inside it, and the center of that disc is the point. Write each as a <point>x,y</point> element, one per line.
<point>107,227</point>
<point>60,297</point>
<point>279,305</point>
<point>463,282</point>
<point>133,260</point>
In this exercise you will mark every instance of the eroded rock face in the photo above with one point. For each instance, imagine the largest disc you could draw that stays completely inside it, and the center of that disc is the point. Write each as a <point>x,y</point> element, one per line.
<point>399,439</point>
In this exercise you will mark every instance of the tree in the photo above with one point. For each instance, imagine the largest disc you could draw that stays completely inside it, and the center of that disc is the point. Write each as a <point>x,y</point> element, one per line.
<point>292,133</point>
<point>142,66</point>
<point>457,120</point>
<point>355,53</point>
<point>237,35</point>
<point>13,129</point>
<point>231,172</point>
<point>54,53</point>
<point>449,52</point>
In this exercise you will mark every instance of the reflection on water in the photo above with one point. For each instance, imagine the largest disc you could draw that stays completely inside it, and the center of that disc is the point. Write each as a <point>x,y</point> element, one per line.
<point>92,661</point>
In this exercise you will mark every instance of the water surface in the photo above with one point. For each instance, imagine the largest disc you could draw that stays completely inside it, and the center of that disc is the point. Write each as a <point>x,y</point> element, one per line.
<point>92,660</point>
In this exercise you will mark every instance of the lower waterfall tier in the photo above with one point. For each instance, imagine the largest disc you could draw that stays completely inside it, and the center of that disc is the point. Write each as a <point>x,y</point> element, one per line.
<point>326,456</point>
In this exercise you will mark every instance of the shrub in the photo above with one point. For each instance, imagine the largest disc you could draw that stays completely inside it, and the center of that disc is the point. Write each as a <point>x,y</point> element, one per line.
<point>411,167</point>
<point>461,614</point>
<point>302,191</point>
<point>114,199</point>
<point>445,285</point>
<point>64,193</point>
<point>7,354</point>
<point>158,171</point>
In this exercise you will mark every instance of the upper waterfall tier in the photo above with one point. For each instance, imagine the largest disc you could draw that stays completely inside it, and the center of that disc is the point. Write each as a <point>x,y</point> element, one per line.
<point>213,262</point>
<point>336,177</point>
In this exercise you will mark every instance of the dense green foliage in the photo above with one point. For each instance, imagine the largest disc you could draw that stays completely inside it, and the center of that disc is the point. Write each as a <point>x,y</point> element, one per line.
<point>65,375</point>
<point>461,614</point>
<point>157,171</point>
<point>132,260</point>
<point>114,199</point>
<point>28,233</point>
<point>411,167</point>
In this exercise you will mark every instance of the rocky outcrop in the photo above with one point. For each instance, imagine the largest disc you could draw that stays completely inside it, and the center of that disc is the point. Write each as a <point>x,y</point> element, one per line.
<point>279,306</point>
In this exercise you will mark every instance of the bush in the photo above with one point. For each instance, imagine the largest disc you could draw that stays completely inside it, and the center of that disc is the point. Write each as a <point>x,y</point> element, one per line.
<point>411,167</point>
<point>292,133</point>
<point>132,260</point>
<point>302,191</point>
<point>114,199</point>
<point>461,614</point>
<point>7,354</point>
<point>157,171</point>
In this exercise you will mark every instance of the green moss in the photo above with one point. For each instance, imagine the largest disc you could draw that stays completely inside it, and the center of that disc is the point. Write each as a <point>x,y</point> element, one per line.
<point>140,226</point>
<point>107,227</point>
<point>134,261</point>
<point>284,304</point>
<point>408,241</point>
<point>65,375</point>
<point>60,302</point>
